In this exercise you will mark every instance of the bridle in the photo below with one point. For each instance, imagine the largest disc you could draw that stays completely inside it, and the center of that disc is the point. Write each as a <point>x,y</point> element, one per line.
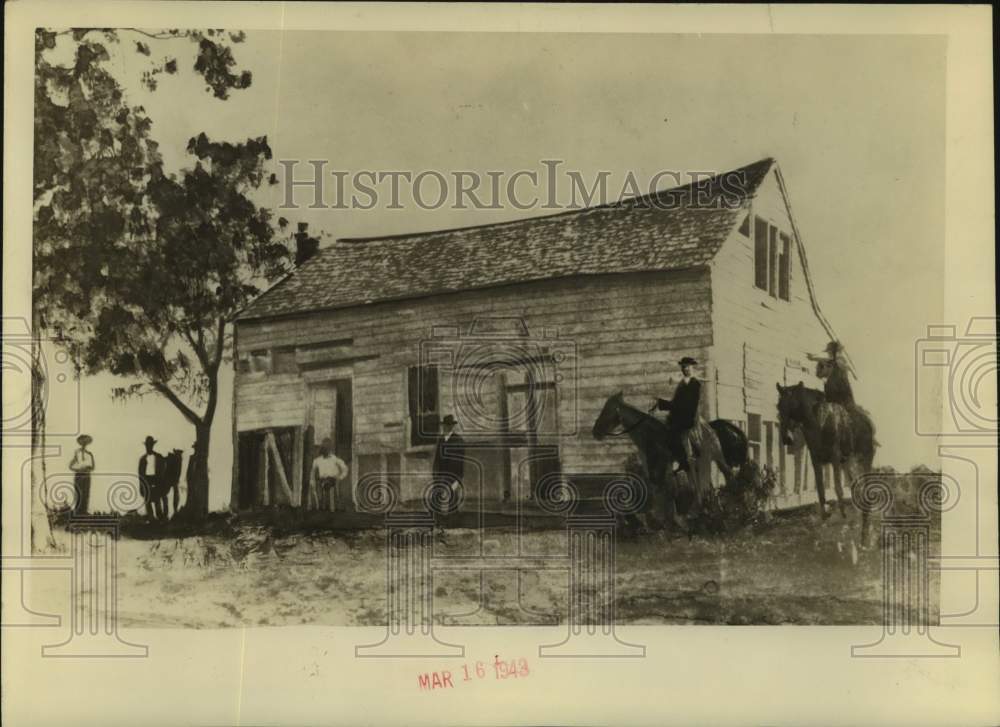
<point>625,431</point>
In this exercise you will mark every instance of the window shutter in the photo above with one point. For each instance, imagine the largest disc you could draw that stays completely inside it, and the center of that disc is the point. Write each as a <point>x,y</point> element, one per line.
<point>785,268</point>
<point>772,262</point>
<point>760,253</point>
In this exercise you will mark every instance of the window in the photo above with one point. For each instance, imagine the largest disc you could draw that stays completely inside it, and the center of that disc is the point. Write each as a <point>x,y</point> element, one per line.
<point>772,262</point>
<point>422,399</point>
<point>769,442</point>
<point>753,435</point>
<point>260,361</point>
<point>784,267</point>
<point>760,253</point>
<point>771,259</point>
<point>283,361</point>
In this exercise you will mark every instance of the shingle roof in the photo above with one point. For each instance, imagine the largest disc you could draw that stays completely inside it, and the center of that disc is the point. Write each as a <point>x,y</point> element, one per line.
<point>673,229</point>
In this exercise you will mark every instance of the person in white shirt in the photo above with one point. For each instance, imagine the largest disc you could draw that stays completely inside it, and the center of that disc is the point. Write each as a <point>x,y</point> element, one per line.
<point>327,468</point>
<point>82,465</point>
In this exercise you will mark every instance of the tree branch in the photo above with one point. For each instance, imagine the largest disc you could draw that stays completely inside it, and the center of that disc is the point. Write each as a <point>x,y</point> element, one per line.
<point>184,409</point>
<point>199,348</point>
<point>159,36</point>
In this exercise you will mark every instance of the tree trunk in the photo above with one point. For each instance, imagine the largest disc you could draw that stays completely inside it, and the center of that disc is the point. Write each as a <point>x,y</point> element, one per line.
<point>41,527</point>
<point>196,505</point>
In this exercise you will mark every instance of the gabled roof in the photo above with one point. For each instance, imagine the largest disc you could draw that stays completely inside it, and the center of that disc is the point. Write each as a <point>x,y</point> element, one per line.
<point>674,229</point>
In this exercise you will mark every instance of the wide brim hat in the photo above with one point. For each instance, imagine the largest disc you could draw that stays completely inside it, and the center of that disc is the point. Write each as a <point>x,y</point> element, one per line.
<point>149,439</point>
<point>687,361</point>
<point>84,439</point>
<point>449,419</point>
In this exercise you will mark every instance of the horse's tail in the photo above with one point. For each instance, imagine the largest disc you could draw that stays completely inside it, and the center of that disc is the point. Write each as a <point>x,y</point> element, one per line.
<point>732,439</point>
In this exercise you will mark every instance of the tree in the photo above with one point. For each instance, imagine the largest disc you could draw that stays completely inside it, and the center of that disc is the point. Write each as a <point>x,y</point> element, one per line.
<point>136,271</point>
<point>163,318</point>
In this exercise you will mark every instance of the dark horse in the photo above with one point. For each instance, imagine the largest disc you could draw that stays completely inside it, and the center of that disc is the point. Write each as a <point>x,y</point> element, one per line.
<point>840,436</point>
<point>161,486</point>
<point>722,443</point>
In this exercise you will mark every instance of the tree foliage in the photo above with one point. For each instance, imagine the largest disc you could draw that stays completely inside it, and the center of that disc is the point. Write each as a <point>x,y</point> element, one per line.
<point>136,269</point>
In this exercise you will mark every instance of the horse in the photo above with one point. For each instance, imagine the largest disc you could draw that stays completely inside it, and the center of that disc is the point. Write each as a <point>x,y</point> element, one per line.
<point>161,486</point>
<point>721,442</point>
<point>838,435</point>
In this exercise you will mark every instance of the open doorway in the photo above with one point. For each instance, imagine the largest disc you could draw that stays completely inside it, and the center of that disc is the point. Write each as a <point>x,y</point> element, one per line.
<point>330,414</point>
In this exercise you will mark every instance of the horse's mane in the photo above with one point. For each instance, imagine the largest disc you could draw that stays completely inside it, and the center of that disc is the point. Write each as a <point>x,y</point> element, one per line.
<point>644,415</point>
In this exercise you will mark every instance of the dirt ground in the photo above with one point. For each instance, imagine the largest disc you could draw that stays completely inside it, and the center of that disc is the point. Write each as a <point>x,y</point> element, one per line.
<point>795,569</point>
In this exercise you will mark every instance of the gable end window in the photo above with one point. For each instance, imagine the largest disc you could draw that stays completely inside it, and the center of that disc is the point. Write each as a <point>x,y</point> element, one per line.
<point>760,253</point>
<point>772,252</point>
<point>784,267</point>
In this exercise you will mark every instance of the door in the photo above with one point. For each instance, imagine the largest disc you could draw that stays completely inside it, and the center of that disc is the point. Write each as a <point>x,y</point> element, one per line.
<point>532,415</point>
<point>331,415</point>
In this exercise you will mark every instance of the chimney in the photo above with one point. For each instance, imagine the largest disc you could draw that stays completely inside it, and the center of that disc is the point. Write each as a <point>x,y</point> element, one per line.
<point>305,246</point>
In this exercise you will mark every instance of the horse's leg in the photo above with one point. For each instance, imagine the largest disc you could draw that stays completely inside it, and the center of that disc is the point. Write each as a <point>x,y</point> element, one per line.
<point>820,490</point>
<point>838,485</point>
<point>705,472</point>
<point>691,473</point>
<point>718,455</point>
<point>865,467</point>
<point>147,493</point>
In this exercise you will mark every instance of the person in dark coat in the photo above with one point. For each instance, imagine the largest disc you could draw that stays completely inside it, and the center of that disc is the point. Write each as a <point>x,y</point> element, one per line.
<point>151,470</point>
<point>833,368</point>
<point>449,456</point>
<point>684,407</point>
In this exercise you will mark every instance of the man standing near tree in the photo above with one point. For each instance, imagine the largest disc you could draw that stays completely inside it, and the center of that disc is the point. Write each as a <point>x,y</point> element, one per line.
<point>150,470</point>
<point>82,465</point>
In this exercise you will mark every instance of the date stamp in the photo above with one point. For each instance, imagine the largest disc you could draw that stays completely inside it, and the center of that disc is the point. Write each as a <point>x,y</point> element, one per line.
<point>497,670</point>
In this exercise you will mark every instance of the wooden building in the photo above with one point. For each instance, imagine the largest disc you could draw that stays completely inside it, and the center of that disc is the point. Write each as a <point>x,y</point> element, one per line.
<point>522,330</point>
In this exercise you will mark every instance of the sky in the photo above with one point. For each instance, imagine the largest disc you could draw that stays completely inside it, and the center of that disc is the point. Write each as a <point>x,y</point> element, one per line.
<point>855,122</point>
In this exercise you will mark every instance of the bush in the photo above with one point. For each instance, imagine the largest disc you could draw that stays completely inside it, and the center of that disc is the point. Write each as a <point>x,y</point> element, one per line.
<point>744,500</point>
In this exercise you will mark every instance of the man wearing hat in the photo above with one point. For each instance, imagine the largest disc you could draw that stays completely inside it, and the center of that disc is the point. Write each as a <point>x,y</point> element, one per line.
<point>151,467</point>
<point>832,369</point>
<point>449,455</point>
<point>82,465</point>
<point>684,408</point>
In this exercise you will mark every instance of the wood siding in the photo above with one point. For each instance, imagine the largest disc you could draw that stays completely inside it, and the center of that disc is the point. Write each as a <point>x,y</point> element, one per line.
<point>616,332</point>
<point>760,340</point>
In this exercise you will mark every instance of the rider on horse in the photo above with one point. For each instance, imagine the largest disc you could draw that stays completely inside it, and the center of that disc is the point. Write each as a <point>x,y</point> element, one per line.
<point>684,437</point>
<point>833,369</point>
